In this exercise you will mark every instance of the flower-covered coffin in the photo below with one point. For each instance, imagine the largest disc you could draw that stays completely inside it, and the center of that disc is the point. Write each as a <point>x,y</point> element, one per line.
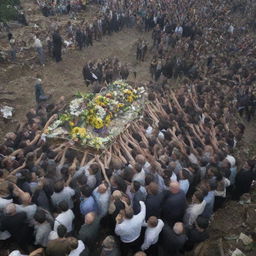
<point>95,120</point>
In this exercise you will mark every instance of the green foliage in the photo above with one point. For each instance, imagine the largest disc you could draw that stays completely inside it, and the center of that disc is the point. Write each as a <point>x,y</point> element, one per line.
<point>8,10</point>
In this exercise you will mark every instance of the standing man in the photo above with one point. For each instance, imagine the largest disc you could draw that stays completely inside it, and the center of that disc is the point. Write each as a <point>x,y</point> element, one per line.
<point>13,49</point>
<point>57,45</point>
<point>128,228</point>
<point>39,49</point>
<point>39,92</point>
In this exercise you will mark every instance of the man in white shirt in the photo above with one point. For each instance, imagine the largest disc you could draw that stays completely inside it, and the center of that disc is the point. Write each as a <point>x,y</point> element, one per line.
<point>195,209</point>
<point>65,218</point>
<point>128,227</point>
<point>39,49</point>
<point>154,227</point>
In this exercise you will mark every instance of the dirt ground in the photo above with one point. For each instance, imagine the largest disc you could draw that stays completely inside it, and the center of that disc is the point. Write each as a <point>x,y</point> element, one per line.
<point>65,78</point>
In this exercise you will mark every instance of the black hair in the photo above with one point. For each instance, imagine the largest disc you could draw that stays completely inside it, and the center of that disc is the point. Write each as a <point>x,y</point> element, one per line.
<point>63,206</point>
<point>61,231</point>
<point>86,191</point>
<point>40,216</point>
<point>202,222</point>
<point>149,178</point>
<point>58,187</point>
<point>136,185</point>
<point>121,184</point>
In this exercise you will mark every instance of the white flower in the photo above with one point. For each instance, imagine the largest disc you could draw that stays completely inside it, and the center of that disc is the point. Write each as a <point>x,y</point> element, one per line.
<point>75,106</point>
<point>54,125</point>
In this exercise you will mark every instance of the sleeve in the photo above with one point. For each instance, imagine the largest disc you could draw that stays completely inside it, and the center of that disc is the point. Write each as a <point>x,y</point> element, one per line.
<point>227,182</point>
<point>56,224</point>
<point>39,238</point>
<point>118,229</point>
<point>147,243</point>
<point>4,202</point>
<point>70,191</point>
<point>160,225</point>
<point>79,172</point>
<point>142,213</point>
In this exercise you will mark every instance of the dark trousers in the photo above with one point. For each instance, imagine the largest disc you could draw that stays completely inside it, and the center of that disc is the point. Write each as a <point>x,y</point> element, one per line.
<point>218,202</point>
<point>132,247</point>
<point>152,250</point>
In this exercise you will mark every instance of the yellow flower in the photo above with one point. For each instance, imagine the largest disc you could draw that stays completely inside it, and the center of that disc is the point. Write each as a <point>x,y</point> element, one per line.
<point>108,119</point>
<point>75,130</point>
<point>82,132</point>
<point>71,123</point>
<point>120,105</point>
<point>78,131</point>
<point>98,123</point>
<point>130,99</point>
<point>127,91</point>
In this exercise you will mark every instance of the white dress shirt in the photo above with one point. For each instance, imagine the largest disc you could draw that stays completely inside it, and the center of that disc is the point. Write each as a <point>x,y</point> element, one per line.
<point>38,43</point>
<point>193,211</point>
<point>129,230</point>
<point>65,218</point>
<point>78,250</point>
<point>151,235</point>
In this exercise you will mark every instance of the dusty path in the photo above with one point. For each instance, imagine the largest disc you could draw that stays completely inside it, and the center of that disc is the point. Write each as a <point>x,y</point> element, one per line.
<point>65,78</point>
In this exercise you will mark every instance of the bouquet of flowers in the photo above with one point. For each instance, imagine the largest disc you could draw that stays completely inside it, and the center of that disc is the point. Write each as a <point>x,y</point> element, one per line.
<point>90,118</point>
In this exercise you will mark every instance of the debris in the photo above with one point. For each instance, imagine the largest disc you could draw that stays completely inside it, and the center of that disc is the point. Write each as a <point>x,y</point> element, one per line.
<point>245,199</point>
<point>245,239</point>
<point>7,111</point>
<point>220,245</point>
<point>237,252</point>
<point>231,237</point>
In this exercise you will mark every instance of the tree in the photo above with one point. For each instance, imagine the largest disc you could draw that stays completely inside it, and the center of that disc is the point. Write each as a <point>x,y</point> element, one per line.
<point>9,10</point>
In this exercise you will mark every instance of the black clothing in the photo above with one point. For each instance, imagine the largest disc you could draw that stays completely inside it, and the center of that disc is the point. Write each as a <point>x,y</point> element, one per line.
<point>79,39</point>
<point>57,45</point>
<point>16,225</point>
<point>138,196</point>
<point>154,205</point>
<point>195,237</point>
<point>174,207</point>
<point>171,242</point>
<point>243,182</point>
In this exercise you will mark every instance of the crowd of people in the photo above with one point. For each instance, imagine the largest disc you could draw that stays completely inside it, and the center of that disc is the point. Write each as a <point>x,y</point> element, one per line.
<point>104,71</point>
<point>55,7</point>
<point>155,190</point>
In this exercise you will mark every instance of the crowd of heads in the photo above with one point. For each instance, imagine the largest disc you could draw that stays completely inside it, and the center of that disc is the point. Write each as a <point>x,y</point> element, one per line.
<point>153,191</point>
<point>58,7</point>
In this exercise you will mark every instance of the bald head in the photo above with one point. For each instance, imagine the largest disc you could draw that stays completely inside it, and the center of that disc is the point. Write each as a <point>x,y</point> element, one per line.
<point>89,218</point>
<point>174,187</point>
<point>178,228</point>
<point>140,254</point>
<point>117,194</point>
<point>102,188</point>
<point>140,159</point>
